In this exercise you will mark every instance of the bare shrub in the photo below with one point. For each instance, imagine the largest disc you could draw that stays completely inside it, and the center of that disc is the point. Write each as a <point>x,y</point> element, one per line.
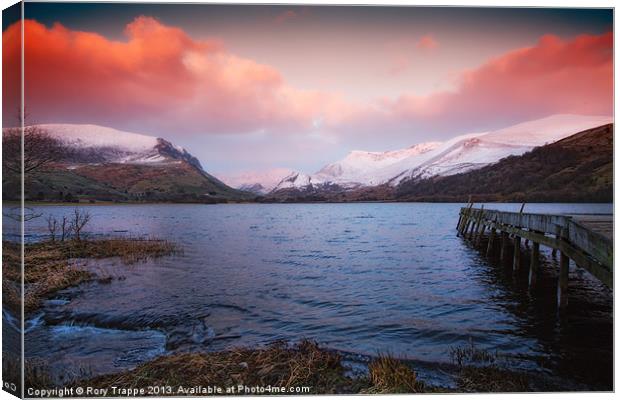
<point>65,228</point>
<point>52,227</point>
<point>79,220</point>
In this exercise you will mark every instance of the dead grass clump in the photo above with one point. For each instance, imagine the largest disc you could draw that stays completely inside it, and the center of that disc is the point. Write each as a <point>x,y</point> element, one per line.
<point>11,296</point>
<point>470,354</point>
<point>47,266</point>
<point>50,279</point>
<point>278,365</point>
<point>481,371</point>
<point>491,379</point>
<point>36,373</point>
<point>36,254</point>
<point>389,375</point>
<point>130,250</point>
<point>11,260</point>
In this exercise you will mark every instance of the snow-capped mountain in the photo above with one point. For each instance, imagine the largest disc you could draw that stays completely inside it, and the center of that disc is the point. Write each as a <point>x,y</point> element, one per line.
<point>257,182</point>
<point>460,154</point>
<point>359,168</point>
<point>101,163</point>
<point>468,152</point>
<point>578,168</point>
<point>99,136</point>
<point>372,168</point>
<point>97,144</point>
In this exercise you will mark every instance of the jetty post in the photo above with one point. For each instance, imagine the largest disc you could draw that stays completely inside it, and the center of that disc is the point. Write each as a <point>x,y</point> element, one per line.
<point>491,241</point>
<point>516,259</point>
<point>534,264</point>
<point>503,254</point>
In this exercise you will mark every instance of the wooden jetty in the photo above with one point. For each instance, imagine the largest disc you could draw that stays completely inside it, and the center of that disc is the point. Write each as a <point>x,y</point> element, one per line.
<point>585,239</point>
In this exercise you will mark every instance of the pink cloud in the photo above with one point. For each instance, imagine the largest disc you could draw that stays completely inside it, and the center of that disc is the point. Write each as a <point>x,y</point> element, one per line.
<point>427,42</point>
<point>552,76</point>
<point>158,78</point>
<point>161,80</point>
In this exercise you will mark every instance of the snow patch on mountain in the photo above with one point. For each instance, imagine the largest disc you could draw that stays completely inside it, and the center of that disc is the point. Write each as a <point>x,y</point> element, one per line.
<point>546,130</point>
<point>298,180</point>
<point>369,168</point>
<point>468,152</point>
<point>100,136</point>
<point>93,144</point>
<point>358,168</point>
<point>259,182</point>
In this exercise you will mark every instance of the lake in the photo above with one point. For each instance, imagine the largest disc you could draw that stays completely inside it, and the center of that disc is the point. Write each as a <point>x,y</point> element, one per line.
<point>361,278</point>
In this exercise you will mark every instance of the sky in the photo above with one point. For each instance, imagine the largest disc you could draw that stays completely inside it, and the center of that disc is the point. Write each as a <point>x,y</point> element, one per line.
<point>251,88</point>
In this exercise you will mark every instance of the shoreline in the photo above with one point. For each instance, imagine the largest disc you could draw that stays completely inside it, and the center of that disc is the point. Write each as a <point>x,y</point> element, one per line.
<point>112,203</point>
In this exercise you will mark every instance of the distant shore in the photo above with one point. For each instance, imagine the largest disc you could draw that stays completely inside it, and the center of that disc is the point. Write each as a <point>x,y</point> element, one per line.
<point>130,203</point>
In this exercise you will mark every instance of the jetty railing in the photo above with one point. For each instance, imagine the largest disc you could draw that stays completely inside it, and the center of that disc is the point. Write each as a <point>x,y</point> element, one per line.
<point>589,250</point>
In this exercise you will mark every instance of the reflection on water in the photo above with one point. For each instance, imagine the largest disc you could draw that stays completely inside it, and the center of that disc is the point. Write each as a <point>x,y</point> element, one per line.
<point>360,278</point>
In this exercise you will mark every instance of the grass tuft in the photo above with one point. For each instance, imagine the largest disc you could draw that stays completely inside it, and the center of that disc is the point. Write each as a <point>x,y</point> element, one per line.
<point>279,365</point>
<point>470,354</point>
<point>130,250</point>
<point>389,375</point>
<point>481,371</point>
<point>492,379</point>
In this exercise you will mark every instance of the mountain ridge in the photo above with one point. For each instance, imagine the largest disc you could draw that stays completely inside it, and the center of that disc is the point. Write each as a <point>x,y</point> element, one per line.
<point>578,168</point>
<point>105,164</point>
<point>573,169</point>
<point>459,154</point>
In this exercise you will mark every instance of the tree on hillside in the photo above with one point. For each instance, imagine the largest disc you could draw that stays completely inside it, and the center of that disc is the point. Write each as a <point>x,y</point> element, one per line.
<point>40,150</point>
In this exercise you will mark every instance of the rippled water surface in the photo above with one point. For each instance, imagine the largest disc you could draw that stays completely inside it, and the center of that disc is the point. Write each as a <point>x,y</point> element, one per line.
<point>359,278</point>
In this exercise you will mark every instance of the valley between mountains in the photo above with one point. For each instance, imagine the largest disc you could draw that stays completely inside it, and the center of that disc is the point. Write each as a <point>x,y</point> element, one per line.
<point>561,158</point>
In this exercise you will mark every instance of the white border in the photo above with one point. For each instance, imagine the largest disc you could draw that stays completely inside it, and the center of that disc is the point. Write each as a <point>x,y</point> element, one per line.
<point>480,3</point>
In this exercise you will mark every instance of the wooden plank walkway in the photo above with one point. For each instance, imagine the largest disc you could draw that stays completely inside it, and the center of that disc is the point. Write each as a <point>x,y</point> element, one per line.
<point>584,238</point>
<point>601,223</point>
